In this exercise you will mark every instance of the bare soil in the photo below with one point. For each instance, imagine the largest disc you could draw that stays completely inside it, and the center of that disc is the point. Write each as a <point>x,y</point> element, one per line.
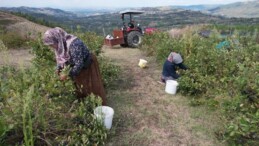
<point>146,115</point>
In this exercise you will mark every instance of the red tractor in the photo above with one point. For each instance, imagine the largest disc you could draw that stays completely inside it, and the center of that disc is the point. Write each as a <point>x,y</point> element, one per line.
<point>130,34</point>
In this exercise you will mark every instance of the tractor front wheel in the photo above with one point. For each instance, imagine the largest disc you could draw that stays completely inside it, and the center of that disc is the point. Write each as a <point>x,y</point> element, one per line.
<point>134,39</point>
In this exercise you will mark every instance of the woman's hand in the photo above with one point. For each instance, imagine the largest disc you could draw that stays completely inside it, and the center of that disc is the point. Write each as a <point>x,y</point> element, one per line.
<point>57,72</point>
<point>63,77</point>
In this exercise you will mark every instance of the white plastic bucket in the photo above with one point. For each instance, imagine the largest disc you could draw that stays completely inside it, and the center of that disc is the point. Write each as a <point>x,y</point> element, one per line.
<point>171,86</point>
<point>105,114</point>
<point>142,63</point>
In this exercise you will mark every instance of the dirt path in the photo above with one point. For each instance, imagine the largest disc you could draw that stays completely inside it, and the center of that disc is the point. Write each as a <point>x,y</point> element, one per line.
<point>145,115</point>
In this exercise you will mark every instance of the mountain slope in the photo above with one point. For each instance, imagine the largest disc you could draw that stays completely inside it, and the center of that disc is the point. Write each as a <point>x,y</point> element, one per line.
<point>198,7</point>
<point>20,26</point>
<point>159,17</point>
<point>45,11</point>
<point>163,18</point>
<point>249,9</point>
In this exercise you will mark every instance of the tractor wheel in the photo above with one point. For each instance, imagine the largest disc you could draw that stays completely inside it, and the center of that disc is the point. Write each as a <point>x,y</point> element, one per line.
<point>134,39</point>
<point>123,45</point>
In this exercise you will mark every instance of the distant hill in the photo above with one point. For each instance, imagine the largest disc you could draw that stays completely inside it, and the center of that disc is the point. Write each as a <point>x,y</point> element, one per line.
<point>198,7</point>
<point>94,11</point>
<point>249,9</point>
<point>163,18</point>
<point>45,16</point>
<point>44,11</point>
<point>159,17</point>
<point>20,26</point>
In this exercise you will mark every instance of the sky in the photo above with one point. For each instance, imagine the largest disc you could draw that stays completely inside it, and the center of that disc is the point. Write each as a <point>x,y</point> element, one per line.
<point>108,3</point>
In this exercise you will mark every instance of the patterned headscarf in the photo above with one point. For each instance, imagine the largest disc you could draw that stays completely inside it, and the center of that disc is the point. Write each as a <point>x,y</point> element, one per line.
<point>57,36</point>
<point>175,58</point>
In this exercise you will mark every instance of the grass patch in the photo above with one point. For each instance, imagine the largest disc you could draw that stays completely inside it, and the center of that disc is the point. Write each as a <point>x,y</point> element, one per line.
<point>13,40</point>
<point>5,22</point>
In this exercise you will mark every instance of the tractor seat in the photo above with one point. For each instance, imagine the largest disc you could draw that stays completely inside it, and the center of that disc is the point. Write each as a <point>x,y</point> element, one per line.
<point>131,25</point>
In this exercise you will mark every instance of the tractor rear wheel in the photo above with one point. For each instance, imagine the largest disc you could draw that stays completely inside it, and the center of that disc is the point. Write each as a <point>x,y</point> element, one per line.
<point>124,45</point>
<point>134,39</point>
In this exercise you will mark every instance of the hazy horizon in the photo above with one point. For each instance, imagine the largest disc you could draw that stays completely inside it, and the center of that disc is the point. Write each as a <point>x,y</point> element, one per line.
<point>79,4</point>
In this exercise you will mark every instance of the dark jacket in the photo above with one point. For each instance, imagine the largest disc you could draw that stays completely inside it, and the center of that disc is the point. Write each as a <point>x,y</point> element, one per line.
<point>79,57</point>
<point>169,69</point>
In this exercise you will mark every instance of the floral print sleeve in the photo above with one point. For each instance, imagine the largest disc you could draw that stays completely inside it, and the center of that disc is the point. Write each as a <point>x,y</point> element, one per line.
<point>78,56</point>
